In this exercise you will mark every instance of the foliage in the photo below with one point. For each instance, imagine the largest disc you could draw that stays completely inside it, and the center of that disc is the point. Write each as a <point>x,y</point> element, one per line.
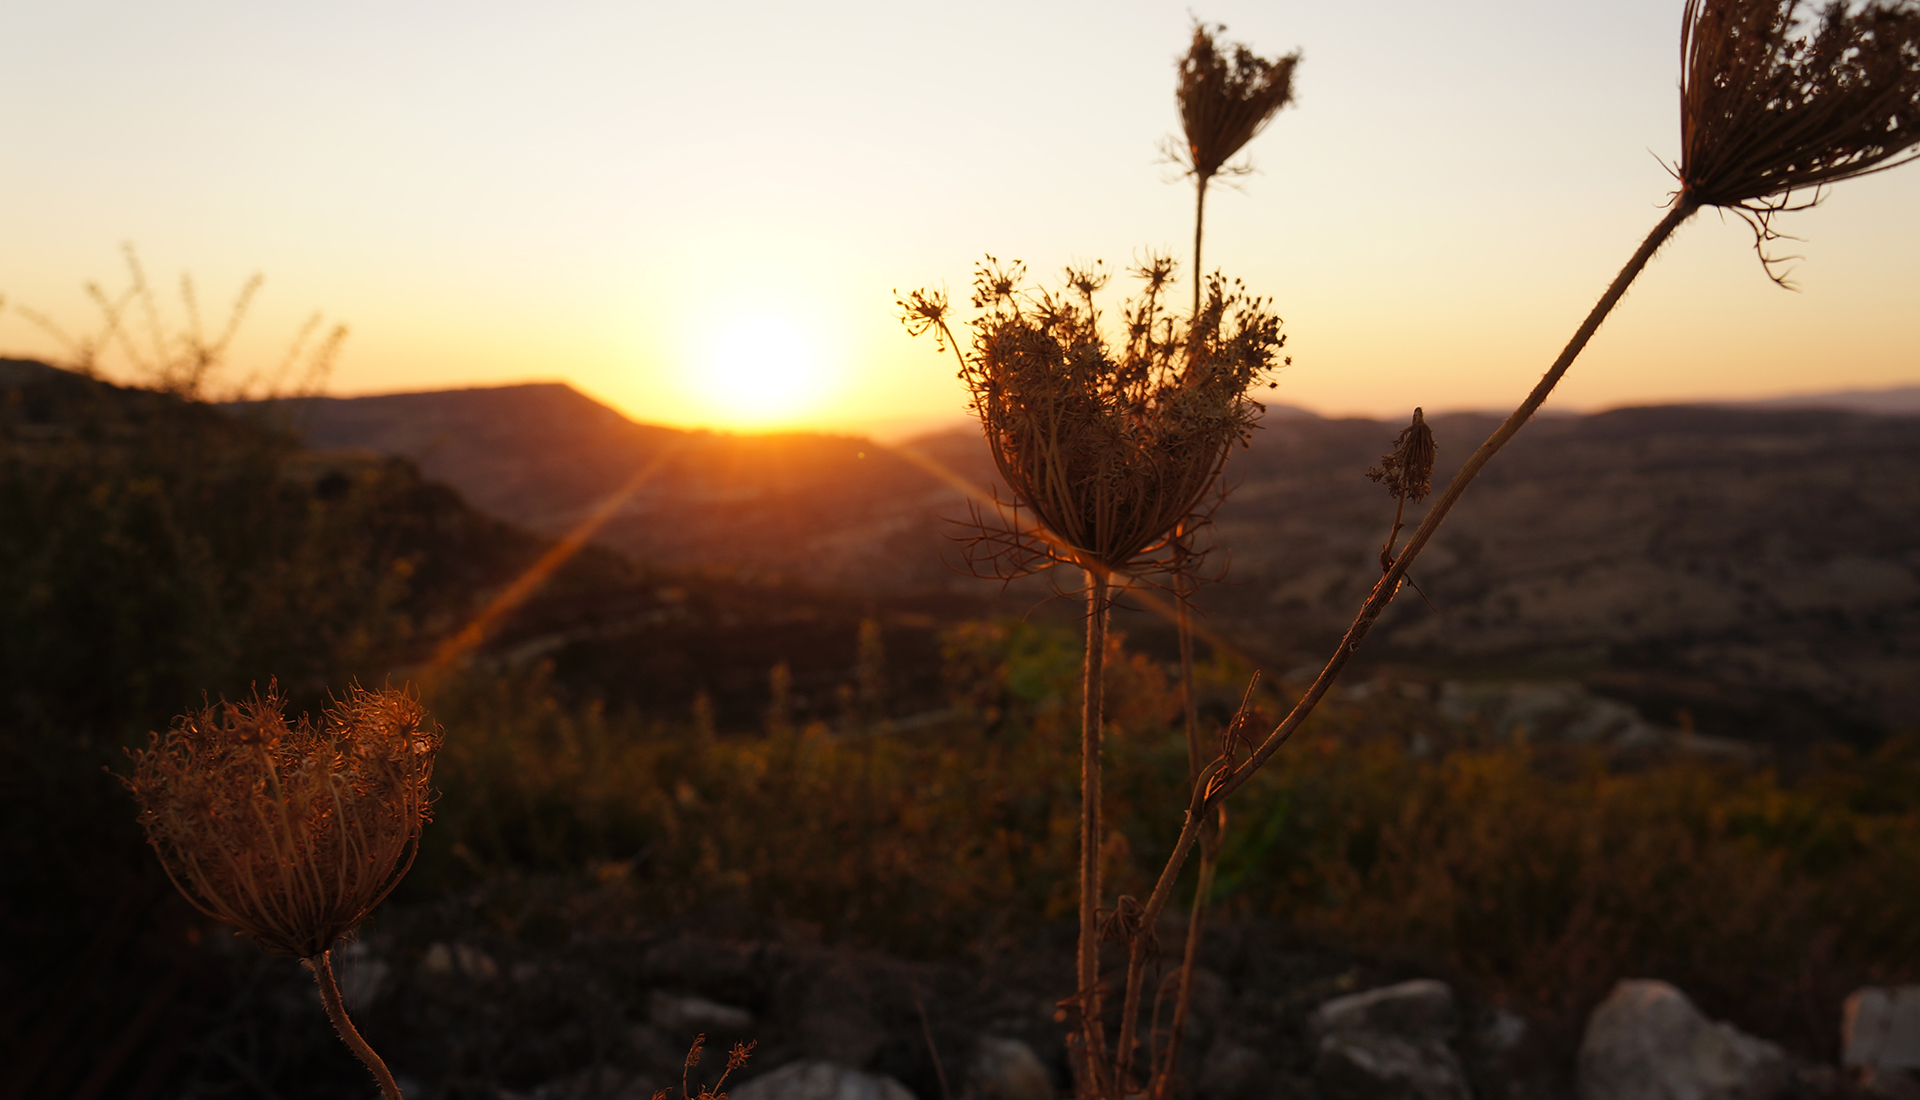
<point>1541,874</point>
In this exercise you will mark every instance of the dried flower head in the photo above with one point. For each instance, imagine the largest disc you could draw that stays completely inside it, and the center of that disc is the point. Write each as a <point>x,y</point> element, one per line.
<point>1407,470</point>
<point>293,832</point>
<point>1109,447</point>
<point>1774,100</point>
<point>1226,97</point>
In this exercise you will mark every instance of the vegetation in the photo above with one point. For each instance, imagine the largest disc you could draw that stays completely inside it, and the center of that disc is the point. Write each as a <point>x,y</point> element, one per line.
<point>1540,874</point>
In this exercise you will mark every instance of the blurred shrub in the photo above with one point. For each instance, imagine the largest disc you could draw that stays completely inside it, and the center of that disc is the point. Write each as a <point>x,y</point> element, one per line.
<point>1541,874</point>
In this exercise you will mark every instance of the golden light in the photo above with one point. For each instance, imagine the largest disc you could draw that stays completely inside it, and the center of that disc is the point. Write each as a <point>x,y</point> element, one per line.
<point>761,370</point>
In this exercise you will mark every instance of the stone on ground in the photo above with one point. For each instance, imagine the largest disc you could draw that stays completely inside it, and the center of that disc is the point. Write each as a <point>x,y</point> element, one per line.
<point>1647,1041</point>
<point>820,1081</point>
<point>1007,1069</point>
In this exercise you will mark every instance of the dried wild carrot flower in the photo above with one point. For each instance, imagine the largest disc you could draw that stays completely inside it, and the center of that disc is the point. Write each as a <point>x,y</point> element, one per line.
<point>293,832</point>
<point>1407,470</point>
<point>1774,100</point>
<point>1227,97</point>
<point>1110,447</point>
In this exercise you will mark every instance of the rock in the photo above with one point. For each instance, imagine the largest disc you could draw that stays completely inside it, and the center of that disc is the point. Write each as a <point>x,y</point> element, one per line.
<point>1007,1069</point>
<point>820,1081</point>
<point>1417,1010</point>
<point>1504,1031</point>
<point>1366,1065</point>
<point>1880,1027</point>
<point>1647,1041</point>
<point>1231,1071</point>
<point>695,1014</point>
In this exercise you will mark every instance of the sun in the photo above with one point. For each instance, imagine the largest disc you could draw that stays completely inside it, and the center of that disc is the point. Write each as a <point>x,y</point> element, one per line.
<point>760,370</point>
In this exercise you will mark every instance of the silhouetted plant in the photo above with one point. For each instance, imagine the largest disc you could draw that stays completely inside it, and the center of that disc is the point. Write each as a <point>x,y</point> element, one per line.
<point>1226,97</point>
<point>292,832</point>
<point>186,360</point>
<point>1113,450</point>
<point>1771,105</point>
<point>1764,114</point>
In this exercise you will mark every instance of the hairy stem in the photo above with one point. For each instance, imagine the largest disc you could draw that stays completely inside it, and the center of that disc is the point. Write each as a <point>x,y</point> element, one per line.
<point>1383,592</point>
<point>322,967</point>
<point>1216,783</point>
<point>1092,691</point>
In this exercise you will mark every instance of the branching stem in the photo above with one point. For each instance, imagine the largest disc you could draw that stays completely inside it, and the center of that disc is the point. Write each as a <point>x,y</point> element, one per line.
<point>1219,779</point>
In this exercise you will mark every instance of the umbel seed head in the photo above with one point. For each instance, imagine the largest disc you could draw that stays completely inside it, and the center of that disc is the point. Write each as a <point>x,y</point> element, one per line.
<point>291,831</point>
<point>1112,441</point>
<point>1226,97</point>
<point>1775,99</point>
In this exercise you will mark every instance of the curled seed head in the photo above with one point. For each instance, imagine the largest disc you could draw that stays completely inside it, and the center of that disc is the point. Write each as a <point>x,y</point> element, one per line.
<point>292,831</point>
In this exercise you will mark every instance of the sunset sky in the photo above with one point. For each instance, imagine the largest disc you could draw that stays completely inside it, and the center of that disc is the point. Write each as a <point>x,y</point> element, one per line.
<point>658,206</point>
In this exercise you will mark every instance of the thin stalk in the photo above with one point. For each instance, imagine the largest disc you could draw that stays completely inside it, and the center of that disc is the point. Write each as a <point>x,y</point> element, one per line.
<point>1092,691</point>
<point>1199,221</point>
<point>1203,886</point>
<point>1214,787</point>
<point>1383,592</point>
<point>322,967</point>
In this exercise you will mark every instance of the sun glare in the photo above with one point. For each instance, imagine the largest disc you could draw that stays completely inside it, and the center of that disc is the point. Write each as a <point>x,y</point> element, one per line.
<point>761,370</point>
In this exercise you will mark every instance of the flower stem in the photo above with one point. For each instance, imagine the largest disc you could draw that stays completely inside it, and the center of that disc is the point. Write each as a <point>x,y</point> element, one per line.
<point>1383,592</point>
<point>322,967</point>
<point>1199,221</point>
<point>1089,954</point>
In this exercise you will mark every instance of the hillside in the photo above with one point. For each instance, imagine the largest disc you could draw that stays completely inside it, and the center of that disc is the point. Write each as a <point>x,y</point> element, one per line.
<point>1747,572</point>
<point>835,511</point>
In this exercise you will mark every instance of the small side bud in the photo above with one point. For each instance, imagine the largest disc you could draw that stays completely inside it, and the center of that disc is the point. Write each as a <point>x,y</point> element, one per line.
<point>1407,470</point>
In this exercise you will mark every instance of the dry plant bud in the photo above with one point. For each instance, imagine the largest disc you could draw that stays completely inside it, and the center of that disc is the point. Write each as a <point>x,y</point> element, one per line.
<point>1111,447</point>
<point>293,832</point>
<point>1774,100</point>
<point>1407,470</point>
<point>1226,97</point>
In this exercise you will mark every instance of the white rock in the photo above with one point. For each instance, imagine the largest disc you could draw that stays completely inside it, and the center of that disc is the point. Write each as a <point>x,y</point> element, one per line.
<point>1416,1010</point>
<point>678,1014</point>
<point>1007,1069</point>
<point>1647,1041</point>
<point>1881,1027</point>
<point>820,1081</point>
<point>1366,1065</point>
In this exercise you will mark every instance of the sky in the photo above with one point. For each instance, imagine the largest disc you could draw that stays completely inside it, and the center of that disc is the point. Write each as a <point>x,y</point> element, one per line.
<point>701,217</point>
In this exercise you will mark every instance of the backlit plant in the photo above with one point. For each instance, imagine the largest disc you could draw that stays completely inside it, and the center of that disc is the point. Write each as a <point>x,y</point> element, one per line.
<point>1776,104</point>
<point>292,831</point>
<point>1113,445</point>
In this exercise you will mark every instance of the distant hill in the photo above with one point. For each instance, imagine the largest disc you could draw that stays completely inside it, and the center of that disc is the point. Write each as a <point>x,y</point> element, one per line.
<point>1755,572</point>
<point>1897,401</point>
<point>836,511</point>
